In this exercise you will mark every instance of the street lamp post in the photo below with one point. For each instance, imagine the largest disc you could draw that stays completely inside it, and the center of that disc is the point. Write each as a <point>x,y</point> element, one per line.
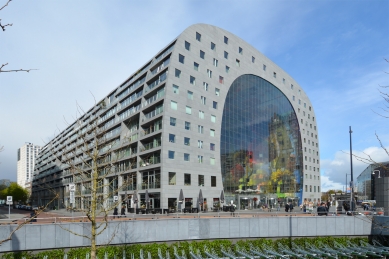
<point>352,180</point>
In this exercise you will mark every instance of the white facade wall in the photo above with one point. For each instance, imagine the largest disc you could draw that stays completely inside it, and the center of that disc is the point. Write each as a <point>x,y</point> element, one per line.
<point>27,155</point>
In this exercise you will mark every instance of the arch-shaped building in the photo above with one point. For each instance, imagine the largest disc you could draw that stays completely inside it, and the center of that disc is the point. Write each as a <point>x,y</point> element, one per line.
<point>208,112</point>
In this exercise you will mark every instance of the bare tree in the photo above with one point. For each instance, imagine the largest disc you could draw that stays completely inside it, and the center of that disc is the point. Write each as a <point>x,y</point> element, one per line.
<point>3,27</point>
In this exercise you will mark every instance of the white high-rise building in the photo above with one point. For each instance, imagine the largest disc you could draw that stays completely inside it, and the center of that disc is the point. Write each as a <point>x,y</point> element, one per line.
<point>26,161</point>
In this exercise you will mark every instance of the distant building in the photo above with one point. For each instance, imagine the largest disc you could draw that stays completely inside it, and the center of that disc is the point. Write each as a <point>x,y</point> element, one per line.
<point>27,155</point>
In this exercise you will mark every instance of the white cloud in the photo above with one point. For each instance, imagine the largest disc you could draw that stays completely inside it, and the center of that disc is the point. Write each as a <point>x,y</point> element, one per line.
<point>333,171</point>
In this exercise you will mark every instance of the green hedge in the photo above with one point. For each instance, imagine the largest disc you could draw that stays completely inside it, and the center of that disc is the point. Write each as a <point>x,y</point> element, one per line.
<point>80,253</point>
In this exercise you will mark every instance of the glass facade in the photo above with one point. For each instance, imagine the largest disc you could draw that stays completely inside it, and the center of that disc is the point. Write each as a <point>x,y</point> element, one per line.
<point>261,151</point>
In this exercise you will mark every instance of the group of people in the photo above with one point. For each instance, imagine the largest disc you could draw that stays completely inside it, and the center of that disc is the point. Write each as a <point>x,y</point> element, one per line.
<point>289,207</point>
<point>122,212</point>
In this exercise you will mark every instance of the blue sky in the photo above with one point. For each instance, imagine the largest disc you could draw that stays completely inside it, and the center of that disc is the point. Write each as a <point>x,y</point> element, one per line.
<point>334,49</point>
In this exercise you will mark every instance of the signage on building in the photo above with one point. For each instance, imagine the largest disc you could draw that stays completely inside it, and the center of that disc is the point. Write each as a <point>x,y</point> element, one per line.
<point>72,187</point>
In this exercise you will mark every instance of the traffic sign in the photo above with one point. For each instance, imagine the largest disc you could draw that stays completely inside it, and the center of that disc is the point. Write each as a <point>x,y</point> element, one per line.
<point>9,200</point>
<point>115,198</point>
<point>72,187</point>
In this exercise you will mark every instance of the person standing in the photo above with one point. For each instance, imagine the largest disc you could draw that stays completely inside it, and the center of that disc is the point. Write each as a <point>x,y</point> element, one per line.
<point>123,211</point>
<point>290,207</point>
<point>115,212</point>
<point>286,207</point>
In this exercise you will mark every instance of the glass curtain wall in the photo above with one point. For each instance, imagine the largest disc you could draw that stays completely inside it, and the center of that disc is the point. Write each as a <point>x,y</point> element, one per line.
<point>261,151</point>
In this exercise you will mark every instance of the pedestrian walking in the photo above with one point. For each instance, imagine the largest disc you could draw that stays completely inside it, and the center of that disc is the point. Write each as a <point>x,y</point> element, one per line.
<point>123,211</point>
<point>115,212</point>
<point>286,207</point>
<point>290,207</point>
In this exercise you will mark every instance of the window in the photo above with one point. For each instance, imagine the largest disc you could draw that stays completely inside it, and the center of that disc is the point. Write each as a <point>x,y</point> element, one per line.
<point>209,73</point>
<point>198,36</point>
<point>172,121</point>
<point>171,154</point>
<point>237,62</point>
<point>217,91</point>
<point>201,114</point>
<point>196,66</point>
<point>172,138</point>
<point>318,189</point>
<point>190,95</point>
<point>264,67</point>
<point>294,100</point>
<point>215,62</point>
<point>202,54</point>
<point>213,46</point>
<point>186,141</point>
<point>283,80</point>
<point>214,105</point>
<point>306,188</point>
<point>200,129</point>
<point>212,146</point>
<point>299,101</point>
<point>201,180</point>
<point>274,74</point>
<point>225,54</point>
<point>200,159</point>
<point>213,118</point>
<point>203,100</point>
<point>177,73</point>
<point>181,58</point>
<point>291,87</point>
<point>172,178</point>
<point>310,188</point>
<point>314,188</point>
<point>175,89</point>
<point>188,110</point>
<point>186,179</point>
<point>212,132</point>
<point>212,161</point>
<point>213,181</point>
<point>187,45</point>
<point>173,105</point>
<point>225,40</point>
<point>253,59</point>
<point>240,50</point>
<point>227,69</point>
<point>187,125</point>
<point>186,157</point>
<point>221,79</point>
<point>205,86</point>
<point>192,80</point>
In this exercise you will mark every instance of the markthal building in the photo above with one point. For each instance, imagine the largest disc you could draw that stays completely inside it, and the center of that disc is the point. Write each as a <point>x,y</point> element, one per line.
<point>208,112</point>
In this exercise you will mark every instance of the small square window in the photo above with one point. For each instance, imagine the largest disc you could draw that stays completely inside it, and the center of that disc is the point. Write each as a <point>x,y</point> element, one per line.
<point>253,59</point>
<point>294,99</point>
<point>202,54</point>
<point>227,69</point>
<point>196,66</point>
<point>237,62</point>
<point>201,114</point>
<point>225,40</point>
<point>205,86</point>
<point>171,154</point>
<point>217,91</point>
<point>187,180</point>
<point>212,161</point>
<point>203,100</point>
<point>187,45</point>
<point>274,74</point>
<point>200,129</point>
<point>201,180</point>
<point>173,105</point>
<point>213,118</point>
<point>215,62</point>
<point>283,80</point>
<point>264,67</point>
<point>213,46</point>
<point>172,178</point>
<point>172,121</point>
<point>177,73</point>
<point>212,146</point>
<point>186,157</point>
<point>198,36</point>
<point>187,141</point>
<point>181,58</point>
<point>188,110</point>
<point>199,143</point>
<point>225,54</point>
<point>240,50</point>
<point>190,95</point>
<point>187,125</point>
<point>200,159</point>
<point>221,79</point>
<point>213,181</point>
<point>192,80</point>
<point>212,132</point>
<point>172,138</point>
<point>214,105</point>
<point>176,89</point>
<point>209,73</point>
<point>291,87</point>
